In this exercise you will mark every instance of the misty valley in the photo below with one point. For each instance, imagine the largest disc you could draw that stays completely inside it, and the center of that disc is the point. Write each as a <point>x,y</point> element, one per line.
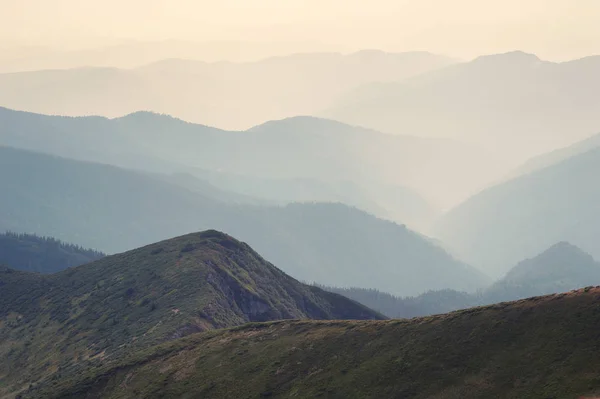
<point>288,219</point>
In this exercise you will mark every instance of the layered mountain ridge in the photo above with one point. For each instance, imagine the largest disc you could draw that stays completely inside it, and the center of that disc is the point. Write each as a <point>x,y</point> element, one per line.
<point>114,210</point>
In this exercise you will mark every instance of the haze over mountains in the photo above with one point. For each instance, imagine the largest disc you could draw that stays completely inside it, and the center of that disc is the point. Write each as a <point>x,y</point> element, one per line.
<point>223,94</point>
<point>398,177</point>
<point>380,184</point>
<point>373,166</point>
<point>558,155</point>
<point>133,54</point>
<point>231,199</point>
<point>519,218</point>
<point>515,103</point>
<point>113,209</point>
<point>562,267</point>
<point>498,110</point>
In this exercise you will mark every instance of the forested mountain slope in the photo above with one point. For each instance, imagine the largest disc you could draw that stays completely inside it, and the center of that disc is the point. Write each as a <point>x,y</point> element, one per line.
<point>42,254</point>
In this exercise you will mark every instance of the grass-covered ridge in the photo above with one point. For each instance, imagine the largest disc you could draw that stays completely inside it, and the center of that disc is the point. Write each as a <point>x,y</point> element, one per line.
<point>543,347</point>
<point>59,325</point>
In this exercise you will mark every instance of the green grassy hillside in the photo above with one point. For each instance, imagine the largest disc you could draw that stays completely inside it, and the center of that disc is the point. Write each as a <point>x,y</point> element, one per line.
<point>57,325</point>
<point>543,347</point>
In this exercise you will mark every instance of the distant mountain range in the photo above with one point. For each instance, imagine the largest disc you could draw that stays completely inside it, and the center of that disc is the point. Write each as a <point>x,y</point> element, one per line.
<point>514,103</point>
<point>224,94</point>
<point>113,210</point>
<point>561,268</point>
<point>132,54</point>
<point>556,156</point>
<point>300,158</point>
<point>397,307</point>
<point>519,218</point>
<point>59,325</point>
<point>343,212</point>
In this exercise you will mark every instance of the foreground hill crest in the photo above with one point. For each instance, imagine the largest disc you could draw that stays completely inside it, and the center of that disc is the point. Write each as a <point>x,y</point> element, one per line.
<point>459,355</point>
<point>62,323</point>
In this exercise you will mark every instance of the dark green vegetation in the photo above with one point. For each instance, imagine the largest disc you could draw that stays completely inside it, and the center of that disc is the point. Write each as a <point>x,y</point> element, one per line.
<point>544,347</point>
<point>59,325</point>
<point>113,210</point>
<point>561,268</point>
<point>42,254</point>
<point>520,218</point>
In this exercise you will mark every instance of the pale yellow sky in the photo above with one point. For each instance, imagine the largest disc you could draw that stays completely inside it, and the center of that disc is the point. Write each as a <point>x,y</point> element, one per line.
<point>553,29</point>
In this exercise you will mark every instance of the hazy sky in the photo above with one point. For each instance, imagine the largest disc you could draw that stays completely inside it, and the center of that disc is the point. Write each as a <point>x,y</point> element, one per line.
<point>554,29</point>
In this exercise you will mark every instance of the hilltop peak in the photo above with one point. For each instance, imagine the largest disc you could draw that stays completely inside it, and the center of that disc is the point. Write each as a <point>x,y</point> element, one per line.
<point>561,258</point>
<point>563,249</point>
<point>564,246</point>
<point>147,115</point>
<point>307,124</point>
<point>202,235</point>
<point>199,241</point>
<point>160,292</point>
<point>299,121</point>
<point>562,267</point>
<point>512,57</point>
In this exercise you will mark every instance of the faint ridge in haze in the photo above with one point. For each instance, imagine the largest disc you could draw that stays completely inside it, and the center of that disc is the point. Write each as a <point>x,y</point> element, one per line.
<point>225,94</point>
<point>114,209</point>
<point>557,156</point>
<point>382,168</point>
<point>515,103</point>
<point>520,217</point>
<point>562,267</point>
